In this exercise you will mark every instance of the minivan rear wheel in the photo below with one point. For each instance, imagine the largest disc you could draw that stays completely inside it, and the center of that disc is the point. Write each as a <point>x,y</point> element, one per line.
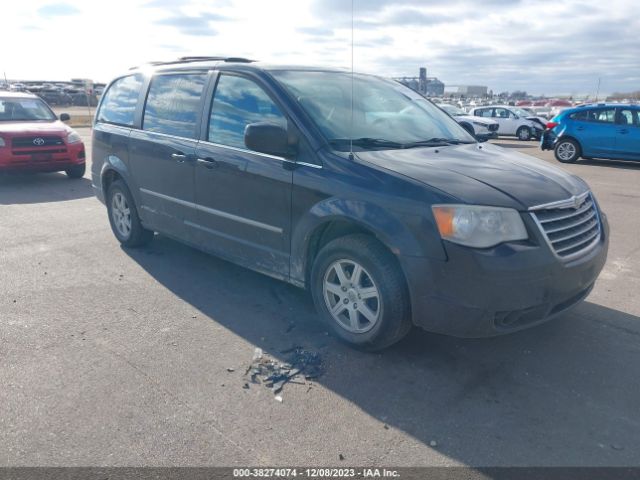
<point>567,151</point>
<point>123,217</point>
<point>360,292</point>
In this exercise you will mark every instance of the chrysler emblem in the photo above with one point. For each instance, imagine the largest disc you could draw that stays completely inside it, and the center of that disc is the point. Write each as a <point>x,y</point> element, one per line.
<point>38,141</point>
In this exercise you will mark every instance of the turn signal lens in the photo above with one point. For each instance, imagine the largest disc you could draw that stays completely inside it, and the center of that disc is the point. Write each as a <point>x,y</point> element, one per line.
<point>444,220</point>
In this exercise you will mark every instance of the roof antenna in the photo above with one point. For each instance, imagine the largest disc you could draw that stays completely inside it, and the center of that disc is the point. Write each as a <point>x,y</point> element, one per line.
<point>351,132</point>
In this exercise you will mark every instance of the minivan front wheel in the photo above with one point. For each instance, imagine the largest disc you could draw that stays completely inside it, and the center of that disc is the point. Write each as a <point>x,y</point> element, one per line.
<point>123,217</point>
<point>360,292</point>
<point>567,151</point>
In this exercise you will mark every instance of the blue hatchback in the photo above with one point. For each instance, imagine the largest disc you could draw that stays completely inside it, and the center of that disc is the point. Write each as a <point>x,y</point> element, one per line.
<point>602,130</point>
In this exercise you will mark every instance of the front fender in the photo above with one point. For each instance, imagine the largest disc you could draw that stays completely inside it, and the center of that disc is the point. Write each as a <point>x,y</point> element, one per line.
<point>411,236</point>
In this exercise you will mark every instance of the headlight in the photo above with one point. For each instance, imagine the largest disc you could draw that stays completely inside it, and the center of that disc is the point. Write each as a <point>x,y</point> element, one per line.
<point>73,137</point>
<point>477,226</point>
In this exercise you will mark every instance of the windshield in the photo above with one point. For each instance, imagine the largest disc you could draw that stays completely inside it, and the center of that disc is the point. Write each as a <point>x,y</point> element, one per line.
<point>24,110</point>
<point>385,113</point>
<point>452,110</point>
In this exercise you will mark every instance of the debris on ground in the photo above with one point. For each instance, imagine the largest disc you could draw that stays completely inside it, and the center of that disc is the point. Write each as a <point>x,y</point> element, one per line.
<point>300,365</point>
<point>230,369</point>
<point>433,443</point>
<point>341,457</point>
<point>278,398</point>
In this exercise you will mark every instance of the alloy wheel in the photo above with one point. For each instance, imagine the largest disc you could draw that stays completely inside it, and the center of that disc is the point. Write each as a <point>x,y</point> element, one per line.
<point>351,296</point>
<point>121,214</point>
<point>566,151</point>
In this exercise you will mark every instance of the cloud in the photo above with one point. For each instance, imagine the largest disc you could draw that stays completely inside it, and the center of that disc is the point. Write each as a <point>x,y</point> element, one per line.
<point>316,31</point>
<point>57,10</point>
<point>413,17</point>
<point>192,25</point>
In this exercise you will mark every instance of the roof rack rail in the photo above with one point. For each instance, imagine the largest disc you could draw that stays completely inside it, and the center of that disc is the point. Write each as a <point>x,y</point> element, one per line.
<point>198,59</point>
<point>222,59</point>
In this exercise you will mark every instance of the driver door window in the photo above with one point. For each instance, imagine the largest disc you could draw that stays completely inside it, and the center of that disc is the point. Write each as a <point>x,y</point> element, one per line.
<point>238,102</point>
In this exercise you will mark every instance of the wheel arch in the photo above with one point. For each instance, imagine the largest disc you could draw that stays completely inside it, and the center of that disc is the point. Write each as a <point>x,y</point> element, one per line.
<point>114,168</point>
<point>570,137</point>
<point>336,218</point>
<point>468,127</point>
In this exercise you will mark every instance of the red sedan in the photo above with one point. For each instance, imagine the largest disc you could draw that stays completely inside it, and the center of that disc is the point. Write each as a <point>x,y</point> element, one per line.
<point>33,139</point>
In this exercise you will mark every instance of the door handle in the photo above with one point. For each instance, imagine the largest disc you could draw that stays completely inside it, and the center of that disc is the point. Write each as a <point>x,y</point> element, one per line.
<point>580,128</point>
<point>208,162</point>
<point>624,131</point>
<point>180,157</point>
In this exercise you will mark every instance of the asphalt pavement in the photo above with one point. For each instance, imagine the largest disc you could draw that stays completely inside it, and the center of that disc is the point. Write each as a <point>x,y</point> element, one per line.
<point>114,357</point>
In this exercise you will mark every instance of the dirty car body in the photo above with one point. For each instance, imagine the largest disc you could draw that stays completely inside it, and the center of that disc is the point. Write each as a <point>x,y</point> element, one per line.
<point>306,202</point>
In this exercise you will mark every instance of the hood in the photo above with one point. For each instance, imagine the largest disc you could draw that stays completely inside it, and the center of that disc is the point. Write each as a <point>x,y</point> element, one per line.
<point>542,121</point>
<point>34,128</point>
<point>481,174</point>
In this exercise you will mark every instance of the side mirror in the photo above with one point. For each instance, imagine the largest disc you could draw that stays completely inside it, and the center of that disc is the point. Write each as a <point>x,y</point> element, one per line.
<point>267,138</point>
<point>65,117</point>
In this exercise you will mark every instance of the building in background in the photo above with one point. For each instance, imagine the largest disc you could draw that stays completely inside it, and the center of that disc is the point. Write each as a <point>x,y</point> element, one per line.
<point>472,90</point>
<point>428,86</point>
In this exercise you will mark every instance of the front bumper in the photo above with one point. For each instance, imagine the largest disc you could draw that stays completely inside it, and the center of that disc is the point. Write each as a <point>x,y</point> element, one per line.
<point>42,160</point>
<point>480,293</point>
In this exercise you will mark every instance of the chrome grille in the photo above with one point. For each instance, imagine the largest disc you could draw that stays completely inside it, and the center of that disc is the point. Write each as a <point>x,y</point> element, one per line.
<point>571,227</point>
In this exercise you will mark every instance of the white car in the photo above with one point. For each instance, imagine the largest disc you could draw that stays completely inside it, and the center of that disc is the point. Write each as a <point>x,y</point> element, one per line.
<point>512,120</point>
<point>482,128</point>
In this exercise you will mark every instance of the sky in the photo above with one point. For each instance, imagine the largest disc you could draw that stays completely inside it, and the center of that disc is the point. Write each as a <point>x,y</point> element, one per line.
<point>540,46</point>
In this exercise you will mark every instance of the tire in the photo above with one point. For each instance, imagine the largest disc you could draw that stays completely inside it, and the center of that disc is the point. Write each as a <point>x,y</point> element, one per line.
<point>567,150</point>
<point>523,133</point>
<point>77,171</point>
<point>372,323</point>
<point>123,217</point>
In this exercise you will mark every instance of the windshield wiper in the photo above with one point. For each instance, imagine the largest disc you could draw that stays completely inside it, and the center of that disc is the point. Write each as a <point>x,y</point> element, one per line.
<point>436,142</point>
<point>367,142</point>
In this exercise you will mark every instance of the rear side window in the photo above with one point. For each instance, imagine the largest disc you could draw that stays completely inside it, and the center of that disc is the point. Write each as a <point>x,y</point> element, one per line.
<point>580,116</point>
<point>604,116</point>
<point>173,104</point>
<point>238,102</point>
<point>120,102</point>
<point>629,117</point>
<point>599,115</point>
<point>484,112</point>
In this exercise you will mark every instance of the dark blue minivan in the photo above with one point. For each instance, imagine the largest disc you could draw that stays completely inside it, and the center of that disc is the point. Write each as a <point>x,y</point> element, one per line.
<point>387,210</point>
